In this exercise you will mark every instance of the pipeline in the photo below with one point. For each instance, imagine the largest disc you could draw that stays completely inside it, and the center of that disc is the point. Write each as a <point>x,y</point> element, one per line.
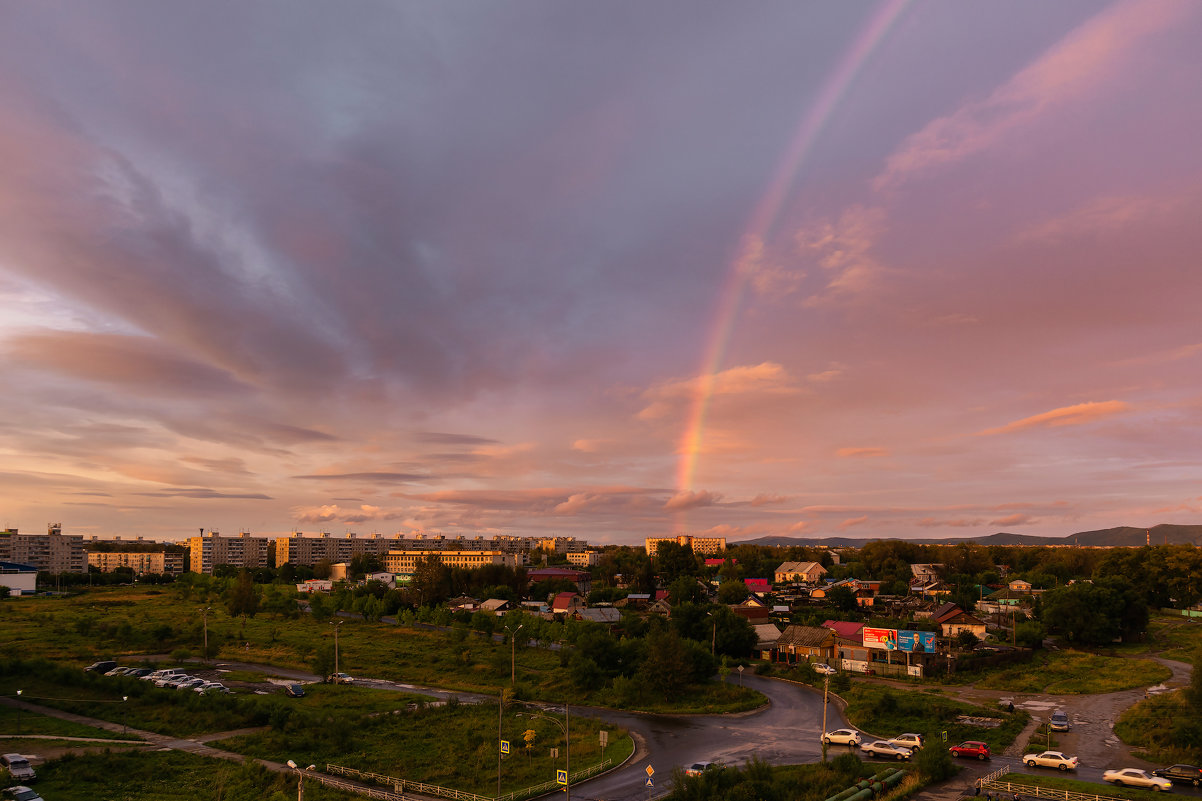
<point>865,789</point>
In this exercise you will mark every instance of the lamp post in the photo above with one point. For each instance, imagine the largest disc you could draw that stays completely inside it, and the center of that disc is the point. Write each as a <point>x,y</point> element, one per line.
<point>336,624</point>
<point>124,698</point>
<point>513,634</point>
<point>300,783</point>
<point>205,614</point>
<point>19,712</point>
<point>565,726</point>
<point>826,686</point>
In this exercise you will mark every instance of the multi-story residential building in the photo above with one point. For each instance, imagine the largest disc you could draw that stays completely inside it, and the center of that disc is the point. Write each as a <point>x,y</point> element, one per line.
<point>583,558</point>
<point>699,544</point>
<point>211,549</point>
<point>297,549</point>
<point>562,545</point>
<point>404,561</point>
<point>139,562</point>
<point>53,552</point>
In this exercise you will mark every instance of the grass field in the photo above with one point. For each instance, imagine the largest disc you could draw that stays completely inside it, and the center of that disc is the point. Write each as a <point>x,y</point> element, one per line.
<point>1074,672</point>
<point>888,712</point>
<point>33,723</point>
<point>1166,727</point>
<point>454,745</point>
<point>1178,637</point>
<point>169,776</point>
<point>1075,786</point>
<point>127,623</point>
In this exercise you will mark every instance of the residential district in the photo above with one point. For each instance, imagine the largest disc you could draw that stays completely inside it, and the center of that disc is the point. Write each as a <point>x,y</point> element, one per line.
<point>1015,657</point>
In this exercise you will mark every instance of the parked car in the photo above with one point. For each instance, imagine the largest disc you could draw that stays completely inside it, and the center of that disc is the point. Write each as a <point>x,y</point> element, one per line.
<point>909,740</point>
<point>697,768</point>
<point>842,737</point>
<point>163,673</point>
<point>341,678</point>
<point>970,748</point>
<point>1051,759</point>
<point>118,671</point>
<point>824,669</point>
<point>211,687</point>
<point>21,793</point>
<point>294,691</point>
<point>1134,777</point>
<point>1180,774</point>
<point>190,684</point>
<point>170,682</point>
<point>1059,721</point>
<point>884,748</point>
<point>101,667</point>
<point>138,673</point>
<point>18,767</point>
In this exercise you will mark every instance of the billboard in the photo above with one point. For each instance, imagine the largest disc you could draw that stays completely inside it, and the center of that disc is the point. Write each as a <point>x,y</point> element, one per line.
<point>900,640</point>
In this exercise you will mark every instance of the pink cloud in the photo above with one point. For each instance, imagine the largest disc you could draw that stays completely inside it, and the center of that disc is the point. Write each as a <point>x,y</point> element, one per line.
<point>688,499</point>
<point>767,379</point>
<point>862,452</point>
<point>1102,216</point>
<point>767,280</point>
<point>1016,519</point>
<point>851,522</point>
<point>1085,61</point>
<point>1064,416</point>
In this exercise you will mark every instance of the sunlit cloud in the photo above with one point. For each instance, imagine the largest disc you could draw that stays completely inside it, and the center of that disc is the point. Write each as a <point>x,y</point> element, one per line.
<point>861,453</point>
<point>1016,519</point>
<point>852,522</point>
<point>764,380</point>
<point>1078,414</point>
<point>690,499</point>
<point>1103,216</point>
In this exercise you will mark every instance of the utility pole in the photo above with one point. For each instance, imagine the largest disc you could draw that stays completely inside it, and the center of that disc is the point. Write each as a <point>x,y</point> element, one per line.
<point>205,614</point>
<point>336,625</point>
<point>513,636</point>
<point>826,686</point>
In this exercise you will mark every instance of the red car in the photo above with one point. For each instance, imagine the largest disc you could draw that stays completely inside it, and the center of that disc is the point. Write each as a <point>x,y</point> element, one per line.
<point>970,748</point>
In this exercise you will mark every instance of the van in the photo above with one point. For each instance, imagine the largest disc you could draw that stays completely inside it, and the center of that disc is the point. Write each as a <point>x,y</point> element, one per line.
<point>165,673</point>
<point>18,766</point>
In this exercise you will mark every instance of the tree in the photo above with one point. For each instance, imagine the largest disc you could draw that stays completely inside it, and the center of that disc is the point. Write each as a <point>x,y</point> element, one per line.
<point>667,668</point>
<point>842,598</point>
<point>244,598</point>
<point>673,560</point>
<point>686,590</point>
<point>732,592</point>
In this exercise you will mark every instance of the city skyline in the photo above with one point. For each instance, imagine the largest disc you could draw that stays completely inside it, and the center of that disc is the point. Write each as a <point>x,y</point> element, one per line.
<point>890,269</point>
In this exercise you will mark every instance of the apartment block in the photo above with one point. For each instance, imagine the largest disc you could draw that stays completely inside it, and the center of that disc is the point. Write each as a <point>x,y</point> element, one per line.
<point>152,562</point>
<point>699,544</point>
<point>210,549</point>
<point>53,551</point>
<point>405,561</point>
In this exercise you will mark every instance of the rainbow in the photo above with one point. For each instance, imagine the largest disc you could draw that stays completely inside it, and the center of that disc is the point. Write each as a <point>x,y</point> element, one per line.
<point>759,226</point>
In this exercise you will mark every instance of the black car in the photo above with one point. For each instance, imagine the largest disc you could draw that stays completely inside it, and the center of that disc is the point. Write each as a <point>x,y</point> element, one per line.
<point>1180,774</point>
<point>101,667</point>
<point>294,691</point>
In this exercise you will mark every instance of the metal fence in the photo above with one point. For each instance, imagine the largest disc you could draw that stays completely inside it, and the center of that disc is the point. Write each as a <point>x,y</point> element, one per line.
<point>370,792</point>
<point>993,783</point>
<point>401,785</point>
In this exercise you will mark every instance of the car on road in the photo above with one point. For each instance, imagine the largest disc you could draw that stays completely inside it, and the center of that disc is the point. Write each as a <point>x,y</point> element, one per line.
<point>1050,759</point>
<point>18,767</point>
<point>909,740</point>
<point>342,678</point>
<point>884,748</point>
<point>1059,721</point>
<point>1134,777</point>
<point>101,667</point>
<point>294,691</point>
<point>21,793</point>
<point>842,737</point>
<point>970,748</point>
<point>1180,774</point>
<point>823,668</point>
<point>697,768</point>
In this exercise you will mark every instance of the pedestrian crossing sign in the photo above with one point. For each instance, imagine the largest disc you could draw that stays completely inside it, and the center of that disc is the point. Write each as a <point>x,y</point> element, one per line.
<point>561,777</point>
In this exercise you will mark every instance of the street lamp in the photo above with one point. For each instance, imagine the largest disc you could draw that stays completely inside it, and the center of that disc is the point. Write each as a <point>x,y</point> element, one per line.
<point>826,686</point>
<point>205,613</point>
<point>336,624</point>
<point>19,712</point>
<point>565,726</point>
<point>300,785</point>
<point>124,698</point>
<point>513,633</point>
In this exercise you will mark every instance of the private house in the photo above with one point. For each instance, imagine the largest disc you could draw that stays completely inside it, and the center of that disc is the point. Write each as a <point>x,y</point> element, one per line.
<point>759,585</point>
<point>805,644</point>
<point>567,603</point>
<point>952,620</point>
<point>635,600</point>
<point>581,578</point>
<point>1018,585</point>
<point>768,635</point>
<point>803,572</point>
<point>661,607</point>
<point>605,615</point>
<point>925,574</point>
<point>496,606</point>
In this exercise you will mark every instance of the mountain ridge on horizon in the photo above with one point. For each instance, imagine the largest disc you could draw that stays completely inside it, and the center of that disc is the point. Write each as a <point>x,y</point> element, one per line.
<point>1118,536</point>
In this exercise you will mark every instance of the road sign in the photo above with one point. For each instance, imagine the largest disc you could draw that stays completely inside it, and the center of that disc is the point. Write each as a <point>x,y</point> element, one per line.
<point>945,736</point>
<point>504,746</point>
<point>649,783</point>
<point>604,735</point>
<point>561,777</point>
<point>650,771</point>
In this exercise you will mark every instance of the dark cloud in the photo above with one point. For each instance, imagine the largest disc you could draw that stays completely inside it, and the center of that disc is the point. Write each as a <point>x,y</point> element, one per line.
<point>436,438</point>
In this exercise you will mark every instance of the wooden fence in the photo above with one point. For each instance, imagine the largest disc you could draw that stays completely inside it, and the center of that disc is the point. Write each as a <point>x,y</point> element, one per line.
<point>401,785</point>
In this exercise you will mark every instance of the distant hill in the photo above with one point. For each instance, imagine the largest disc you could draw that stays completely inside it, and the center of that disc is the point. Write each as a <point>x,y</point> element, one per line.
<point>1170,533</point>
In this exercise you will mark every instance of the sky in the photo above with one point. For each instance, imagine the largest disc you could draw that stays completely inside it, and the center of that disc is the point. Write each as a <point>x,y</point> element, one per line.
<point>606,270</point>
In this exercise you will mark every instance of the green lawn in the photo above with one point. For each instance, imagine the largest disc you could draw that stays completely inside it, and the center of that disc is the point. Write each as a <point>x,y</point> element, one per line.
<point>1179,637</point>
<point>126,623</point>
<point>887,712</point>
<point>454,745</point>
<point>34,723</point>
<point>1074,672</point>
<point>169,776</point>
<point>1166,727</point>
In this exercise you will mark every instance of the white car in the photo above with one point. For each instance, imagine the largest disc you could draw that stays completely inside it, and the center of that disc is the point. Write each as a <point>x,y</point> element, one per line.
<point>884,748</point>
<point>211,687</point>
<point>909,740</point>
<point>341,678</point>
<point>22,793</point>
<point>1051,759</point>
<point>1134,777</point>
<point>842,737</point>
<point>823,668</point>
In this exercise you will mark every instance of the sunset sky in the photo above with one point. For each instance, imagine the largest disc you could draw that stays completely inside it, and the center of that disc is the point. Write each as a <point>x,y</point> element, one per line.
<point>610,270</point>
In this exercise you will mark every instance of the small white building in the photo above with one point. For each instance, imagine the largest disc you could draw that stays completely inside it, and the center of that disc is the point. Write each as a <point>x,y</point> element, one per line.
<point>21,579</point>
<point>315,585</point>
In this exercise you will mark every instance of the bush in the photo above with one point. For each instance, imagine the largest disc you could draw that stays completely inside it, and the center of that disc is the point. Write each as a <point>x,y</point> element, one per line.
<point>935,763</point>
